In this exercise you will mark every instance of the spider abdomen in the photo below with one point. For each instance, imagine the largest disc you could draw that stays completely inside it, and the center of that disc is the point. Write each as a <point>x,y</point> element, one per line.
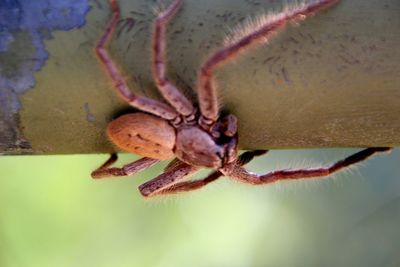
<point>143,134</point>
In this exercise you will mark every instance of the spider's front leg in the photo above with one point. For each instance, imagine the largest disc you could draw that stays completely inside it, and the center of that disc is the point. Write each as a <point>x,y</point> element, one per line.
<point>239,173</point>
<point>242,40</point>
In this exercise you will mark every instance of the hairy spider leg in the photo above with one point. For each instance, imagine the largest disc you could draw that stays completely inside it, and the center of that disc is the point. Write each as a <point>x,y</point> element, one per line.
<point>167,179</point>
<point>239,173</point>
<point>166,183</point>
<point>168,90</point>
<point>242,41</point>
<point>140,102</point>
<point>104,171</point>
<point>187,186</point>
<point>190,185</point>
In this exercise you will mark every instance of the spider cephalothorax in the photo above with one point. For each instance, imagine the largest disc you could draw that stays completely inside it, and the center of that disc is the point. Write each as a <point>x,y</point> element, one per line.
<point>196,137</point>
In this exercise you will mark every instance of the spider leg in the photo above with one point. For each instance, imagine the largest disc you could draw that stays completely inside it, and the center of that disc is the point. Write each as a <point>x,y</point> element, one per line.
<point>239,173</point>
<point>190,185</point>
<point>104,171</point>
<point>186,186</point>
<point>140,102</point>
<point>255,33</point>
<point>167,179</point>
<point>167,88</point>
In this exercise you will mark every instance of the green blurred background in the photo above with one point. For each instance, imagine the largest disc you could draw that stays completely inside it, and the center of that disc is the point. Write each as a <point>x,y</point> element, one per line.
<point>54,214</point>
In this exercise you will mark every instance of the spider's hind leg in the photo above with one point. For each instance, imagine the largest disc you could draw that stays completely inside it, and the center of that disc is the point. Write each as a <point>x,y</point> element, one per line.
<point>106,171</point>
<point>140,102</point>
<point>168,90</point>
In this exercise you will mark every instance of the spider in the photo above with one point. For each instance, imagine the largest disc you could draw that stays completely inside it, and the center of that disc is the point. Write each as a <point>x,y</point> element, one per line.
<point>196,137</point>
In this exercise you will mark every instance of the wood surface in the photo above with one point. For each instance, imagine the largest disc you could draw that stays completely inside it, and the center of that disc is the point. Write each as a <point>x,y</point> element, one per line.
<point>331,81</point>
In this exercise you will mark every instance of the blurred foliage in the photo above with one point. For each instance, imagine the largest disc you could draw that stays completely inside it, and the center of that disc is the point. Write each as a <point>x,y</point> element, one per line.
<point>53,214</point>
